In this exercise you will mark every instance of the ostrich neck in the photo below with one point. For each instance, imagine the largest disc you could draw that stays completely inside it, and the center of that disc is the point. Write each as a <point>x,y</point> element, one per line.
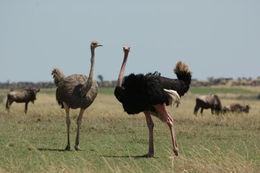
<point>86,87</point>
<point>122,70</point>
<point>92,61</point>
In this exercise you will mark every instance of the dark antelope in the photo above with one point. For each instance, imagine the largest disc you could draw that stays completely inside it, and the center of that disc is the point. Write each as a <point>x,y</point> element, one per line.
<point>211,101</point>
<point>26,96</point>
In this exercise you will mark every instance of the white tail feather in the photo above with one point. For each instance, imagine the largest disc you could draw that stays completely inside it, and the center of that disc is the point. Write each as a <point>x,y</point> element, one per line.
<point>174,97</point>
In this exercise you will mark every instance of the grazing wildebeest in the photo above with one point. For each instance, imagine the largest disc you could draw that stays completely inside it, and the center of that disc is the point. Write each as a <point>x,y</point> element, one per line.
<point>236,107</point>
<point>21,97</point>
<point>211,101</point>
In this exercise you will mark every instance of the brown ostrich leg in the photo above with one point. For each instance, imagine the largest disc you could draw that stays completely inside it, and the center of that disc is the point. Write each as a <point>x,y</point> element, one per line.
<point>79,120</point>
<point>169,120</point>
<point>78,127</point>
<point>67,110</point>
<point>150,125</point>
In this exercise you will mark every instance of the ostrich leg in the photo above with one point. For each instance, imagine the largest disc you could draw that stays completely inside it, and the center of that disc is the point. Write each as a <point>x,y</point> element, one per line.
<point>78,128</point>
<point>67,109</point>
<point>150,125</point>
<point>162,109</point>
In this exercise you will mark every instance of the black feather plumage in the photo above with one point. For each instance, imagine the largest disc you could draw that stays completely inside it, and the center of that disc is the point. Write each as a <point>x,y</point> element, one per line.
<point>139,92</point>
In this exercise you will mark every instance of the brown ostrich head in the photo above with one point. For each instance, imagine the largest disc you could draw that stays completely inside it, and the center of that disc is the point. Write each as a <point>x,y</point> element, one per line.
<point>94,45</point>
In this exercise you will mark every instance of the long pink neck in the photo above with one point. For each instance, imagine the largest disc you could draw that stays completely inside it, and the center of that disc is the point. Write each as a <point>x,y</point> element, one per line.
<point>122,70</point>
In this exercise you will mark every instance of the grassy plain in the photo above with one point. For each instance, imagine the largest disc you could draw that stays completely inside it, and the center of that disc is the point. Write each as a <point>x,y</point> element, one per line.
<point>112,139</point>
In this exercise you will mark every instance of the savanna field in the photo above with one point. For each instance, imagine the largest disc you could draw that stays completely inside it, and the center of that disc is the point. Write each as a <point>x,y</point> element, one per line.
<point>112,140</point>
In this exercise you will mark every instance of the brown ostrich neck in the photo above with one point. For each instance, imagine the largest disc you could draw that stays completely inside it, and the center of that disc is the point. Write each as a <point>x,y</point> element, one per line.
<point>88,83</point>
<point>92,61</point>
<point>122,70</point>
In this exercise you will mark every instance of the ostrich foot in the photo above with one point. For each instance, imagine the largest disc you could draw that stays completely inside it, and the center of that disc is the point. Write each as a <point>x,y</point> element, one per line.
<point>67,148</point>
<point>176,152</point>
<point>148,155</point>
<point>77,148</point>
<point>172,157</point>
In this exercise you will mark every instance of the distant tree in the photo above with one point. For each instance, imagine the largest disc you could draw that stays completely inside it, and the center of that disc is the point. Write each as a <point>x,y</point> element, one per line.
<point>100,78</point>
<point>214,81</point>
<point>210,79</point>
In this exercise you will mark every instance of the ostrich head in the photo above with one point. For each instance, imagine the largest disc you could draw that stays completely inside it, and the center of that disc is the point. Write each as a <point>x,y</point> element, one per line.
<point>94,45</point>
<point>126,49</point>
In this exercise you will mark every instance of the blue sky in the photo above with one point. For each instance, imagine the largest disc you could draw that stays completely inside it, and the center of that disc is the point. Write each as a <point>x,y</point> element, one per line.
<point>216,38</point>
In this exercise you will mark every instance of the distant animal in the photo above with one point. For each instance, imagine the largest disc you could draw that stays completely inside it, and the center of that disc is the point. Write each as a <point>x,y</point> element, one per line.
<point>76,91</point>
<point>236,107</point>
<point>150,94</point>
<point>211,101</point>
<point>26,96</point>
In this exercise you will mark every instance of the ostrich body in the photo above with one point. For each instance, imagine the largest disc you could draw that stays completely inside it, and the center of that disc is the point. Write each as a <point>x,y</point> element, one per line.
<point>151,93</point>
<point>76,91</point>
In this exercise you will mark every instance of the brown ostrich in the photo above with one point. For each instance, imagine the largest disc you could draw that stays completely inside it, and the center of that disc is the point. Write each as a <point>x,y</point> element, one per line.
<point>150,94</point>
<point>76,91</point>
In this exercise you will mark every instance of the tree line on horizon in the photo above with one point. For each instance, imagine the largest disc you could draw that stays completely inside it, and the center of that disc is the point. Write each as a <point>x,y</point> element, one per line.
<point>211,81</point>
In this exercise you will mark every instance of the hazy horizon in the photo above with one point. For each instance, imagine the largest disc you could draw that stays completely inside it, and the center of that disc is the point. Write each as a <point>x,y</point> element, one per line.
<point>215,38</point>
<point>104,80</point>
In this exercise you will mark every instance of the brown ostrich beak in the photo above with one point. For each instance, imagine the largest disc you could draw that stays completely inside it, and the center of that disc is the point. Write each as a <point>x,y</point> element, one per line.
<point>99,45</point>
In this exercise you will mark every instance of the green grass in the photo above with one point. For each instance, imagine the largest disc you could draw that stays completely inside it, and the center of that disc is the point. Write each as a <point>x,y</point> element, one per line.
<point>108,91</point>
<point>48,91</point>
<point>34,143</point>
<point>112,139</point>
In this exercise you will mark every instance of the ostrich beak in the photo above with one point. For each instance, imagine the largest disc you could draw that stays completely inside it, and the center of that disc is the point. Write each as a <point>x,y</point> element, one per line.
<point>99,45</point>
<point>126,48</point>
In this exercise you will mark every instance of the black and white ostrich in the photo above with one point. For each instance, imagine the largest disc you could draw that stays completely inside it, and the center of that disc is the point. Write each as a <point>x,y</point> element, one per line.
<point>151,93</point>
